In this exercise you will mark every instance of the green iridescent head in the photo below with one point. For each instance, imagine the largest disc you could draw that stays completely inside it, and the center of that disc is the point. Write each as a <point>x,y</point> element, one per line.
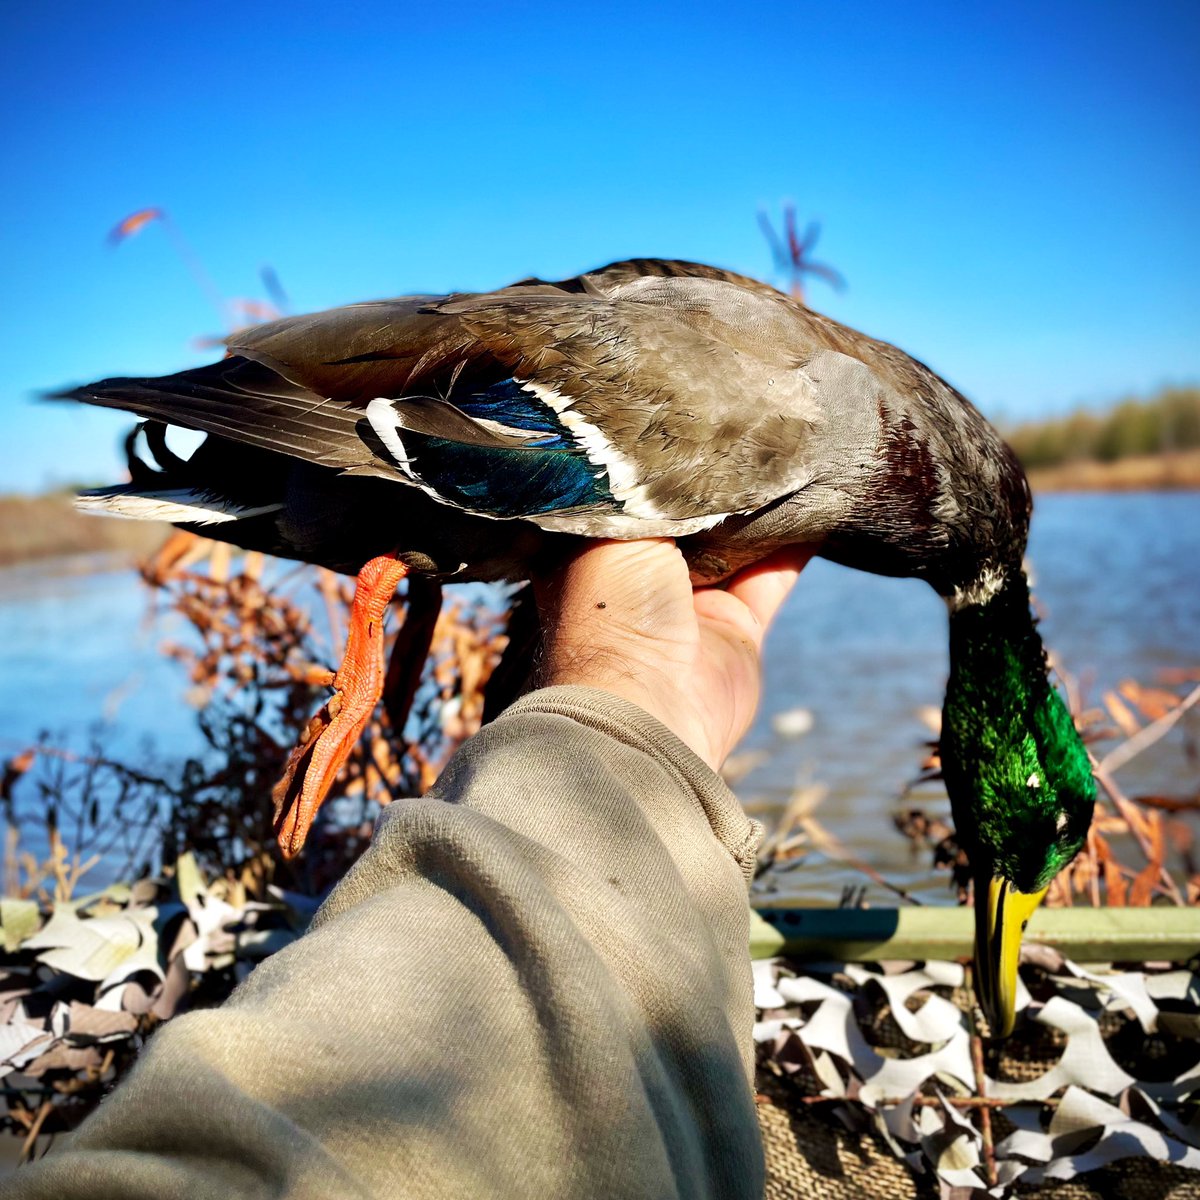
<point>1018,776</point>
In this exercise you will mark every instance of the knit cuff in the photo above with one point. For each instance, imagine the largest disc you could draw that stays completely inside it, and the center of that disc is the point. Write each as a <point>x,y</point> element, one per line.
<point>634,727</point>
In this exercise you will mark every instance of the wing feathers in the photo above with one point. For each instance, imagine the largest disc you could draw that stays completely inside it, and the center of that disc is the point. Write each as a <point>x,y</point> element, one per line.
<point>440,418</point>
<point>245,402</point>
<point>667,392</point>
<point>180,506</point>
<point>531,467</point>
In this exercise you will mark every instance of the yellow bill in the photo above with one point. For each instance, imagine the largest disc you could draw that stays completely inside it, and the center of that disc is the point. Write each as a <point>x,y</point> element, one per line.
<point>1001,914</point>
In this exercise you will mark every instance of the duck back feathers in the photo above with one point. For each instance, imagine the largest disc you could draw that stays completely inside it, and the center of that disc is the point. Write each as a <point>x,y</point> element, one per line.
<point>649,398</point>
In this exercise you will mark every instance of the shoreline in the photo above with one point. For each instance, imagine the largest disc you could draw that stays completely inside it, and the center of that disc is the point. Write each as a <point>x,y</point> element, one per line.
<point>1143,473</point>
<point>39,527</point>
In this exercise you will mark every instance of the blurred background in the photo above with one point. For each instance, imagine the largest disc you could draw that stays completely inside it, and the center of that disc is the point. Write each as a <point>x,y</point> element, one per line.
<point>1008,192</point>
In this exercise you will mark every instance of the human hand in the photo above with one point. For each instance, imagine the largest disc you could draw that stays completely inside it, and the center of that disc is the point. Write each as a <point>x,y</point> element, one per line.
<point>623,616</point>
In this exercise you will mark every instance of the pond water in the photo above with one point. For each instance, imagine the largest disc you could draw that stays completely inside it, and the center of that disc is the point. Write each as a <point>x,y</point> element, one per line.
<point>1117,576</point>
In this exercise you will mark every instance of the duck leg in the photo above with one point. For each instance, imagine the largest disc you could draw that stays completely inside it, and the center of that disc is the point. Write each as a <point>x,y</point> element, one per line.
<point>512,672</point>
<point>410,650</point>
<point>332,734</point>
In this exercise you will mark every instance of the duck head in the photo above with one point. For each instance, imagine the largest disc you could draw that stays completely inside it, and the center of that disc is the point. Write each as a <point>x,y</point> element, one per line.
<point>1020,784</point>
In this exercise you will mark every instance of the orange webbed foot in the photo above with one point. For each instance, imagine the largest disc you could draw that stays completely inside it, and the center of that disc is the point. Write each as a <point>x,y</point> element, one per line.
<point>333,733</point>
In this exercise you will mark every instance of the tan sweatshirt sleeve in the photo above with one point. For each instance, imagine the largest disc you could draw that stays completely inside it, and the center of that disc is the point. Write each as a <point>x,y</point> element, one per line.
<point>535,983</point>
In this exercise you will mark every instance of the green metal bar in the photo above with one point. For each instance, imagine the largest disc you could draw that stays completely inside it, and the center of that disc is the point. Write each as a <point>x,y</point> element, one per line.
<point>1160,934</point>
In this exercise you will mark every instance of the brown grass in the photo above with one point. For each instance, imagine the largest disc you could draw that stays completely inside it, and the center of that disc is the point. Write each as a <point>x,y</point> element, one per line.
<point>46,526</point>
<point>1142,473</point>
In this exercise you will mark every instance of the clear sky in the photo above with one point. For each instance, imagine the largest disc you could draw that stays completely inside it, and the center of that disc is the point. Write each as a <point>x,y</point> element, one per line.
<point>1011,190</point>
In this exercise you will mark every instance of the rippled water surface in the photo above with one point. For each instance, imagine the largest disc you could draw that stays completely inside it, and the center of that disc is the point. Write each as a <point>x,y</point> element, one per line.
<point>1118,580</point>
<point>1118,577</point>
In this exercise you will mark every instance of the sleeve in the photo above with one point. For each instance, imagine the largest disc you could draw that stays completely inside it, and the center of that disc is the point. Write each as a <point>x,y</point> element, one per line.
<point>535,983</point>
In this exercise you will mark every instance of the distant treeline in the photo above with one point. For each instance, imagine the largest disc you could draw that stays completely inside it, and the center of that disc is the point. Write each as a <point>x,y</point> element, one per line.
<point>1166,422</point>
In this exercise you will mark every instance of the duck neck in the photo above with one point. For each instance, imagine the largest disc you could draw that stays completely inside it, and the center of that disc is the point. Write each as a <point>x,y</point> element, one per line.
<point>996,695</point>
<point>994,643</point>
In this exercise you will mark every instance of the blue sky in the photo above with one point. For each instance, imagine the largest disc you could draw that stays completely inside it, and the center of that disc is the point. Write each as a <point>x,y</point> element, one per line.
<point>1010,190</point>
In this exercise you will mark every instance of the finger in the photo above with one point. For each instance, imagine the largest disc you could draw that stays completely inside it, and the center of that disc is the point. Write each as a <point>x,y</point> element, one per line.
<point>764,586</point>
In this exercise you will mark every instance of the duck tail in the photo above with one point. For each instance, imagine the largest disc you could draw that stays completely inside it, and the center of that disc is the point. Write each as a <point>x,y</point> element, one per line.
<point>168,489</point>
<point>178,506</point>
<point>241,401</point>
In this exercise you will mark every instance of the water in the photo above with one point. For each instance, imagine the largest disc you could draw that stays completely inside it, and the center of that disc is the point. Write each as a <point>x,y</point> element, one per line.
<point>1118,580</point>
<point>80,656</point>
<point>1118,577</point>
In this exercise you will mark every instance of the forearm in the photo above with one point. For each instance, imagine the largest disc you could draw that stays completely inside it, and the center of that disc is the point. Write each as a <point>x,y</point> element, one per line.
<point>541,988</point>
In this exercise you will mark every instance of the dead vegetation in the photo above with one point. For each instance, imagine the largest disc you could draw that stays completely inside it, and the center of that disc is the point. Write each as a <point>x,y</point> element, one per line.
<point>1141,848</point>
<point>1171,471</point>
<point>1103,1073</point>
<point>46,526</point>
<point>87,975</point>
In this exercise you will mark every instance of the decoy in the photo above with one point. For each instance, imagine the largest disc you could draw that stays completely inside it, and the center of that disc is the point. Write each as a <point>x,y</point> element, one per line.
<point>459,436</point>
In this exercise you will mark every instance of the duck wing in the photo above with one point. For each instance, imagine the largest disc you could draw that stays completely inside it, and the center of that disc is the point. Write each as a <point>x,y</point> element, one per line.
<point>678,400</point>
<point>648,398</point>
<point>245,402</point>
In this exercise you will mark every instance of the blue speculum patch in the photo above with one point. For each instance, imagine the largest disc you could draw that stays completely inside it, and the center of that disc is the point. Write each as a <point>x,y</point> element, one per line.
<point>551,475</point>
<point>510,404</point>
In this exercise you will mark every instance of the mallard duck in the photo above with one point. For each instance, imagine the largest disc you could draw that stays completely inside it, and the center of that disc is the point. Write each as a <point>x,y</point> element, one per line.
<point>461,436</point>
